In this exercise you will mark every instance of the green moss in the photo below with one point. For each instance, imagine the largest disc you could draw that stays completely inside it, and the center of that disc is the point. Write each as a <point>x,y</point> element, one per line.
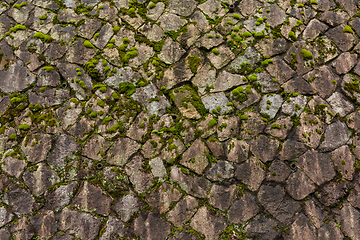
<point>244,117</point>
<point>266,62</point>
<point>152,5</point>
<point>24,127</point>
<point>236,16</point>
<point>12,137</point>
<point>115,95</point>
<point>43,37</point>
<point>194,62</point>
<point>101,103</point>
<point>116,29</point>
<point>82,85</point>
<point>88,44</point>
<point>292,36</point>
<point>253,77</point>
<point>229,23</point>
<point>274,125</point>
<point>306,54</point>
<point>212,123</point>
<point>17,27</point>
<point>48,68</point>
<point>93,114</point>
<point>215,51</point>
<point>247,34</point>
<point>333,82</point>
<point>127,88</point>
<point>314,2</point>
<point>43,17</point>
<point>19,6</point>
<point>348,29</point>
<point>141,125</point>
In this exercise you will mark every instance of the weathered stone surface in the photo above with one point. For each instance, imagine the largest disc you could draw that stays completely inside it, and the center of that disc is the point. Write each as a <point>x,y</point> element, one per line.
<point>280,128</point>
<point>262,228</point>
<point>298,185</point>
<point>183,211</point>
<point>251,173</point>
<point>140,179</point>
<point>162,197</point>
<point>298,85</point>
<point>280,70</point>
<point>222,196</point>
<point>345,62</point>
<point>64,148</point>
<point>317,166</point>
<point>207,223</point>
<point>12,165</point>
<point>171,22</point>
<point>195,157</point>
<point>336,135</point>
<point>278,172</point>
<point>270,104</point>
<point>314,212</point>
<point>20,200</point>
<point>83,225</point>
<point>171,52</point>
<point>237,150</point>
<point>60,197</point>
<point>212,102</point>
<point>340,104</point>
<point>192,185</point>
<point>40,178</point>
<point>330,229</point>
<point>44,224</point>
<point>301,227</point>
<point>334,18</point>
<point>16,78</point>
<point>252,126</point>
<point>349,225</point>
<point>126,206</point>
<point>119,158</point>
<point>220,171</point>
<point>331,193</point>
<point>313,29</point>
<point>264,148</point>
<point>344,161</point>
<point>223,58</point>
<point>113,227</point>
<point>226,80</point>
<point>243,209</point>
<point>343,40</point>
<point>150,225</point>
<point>310,130</point>
<point>92,199</point>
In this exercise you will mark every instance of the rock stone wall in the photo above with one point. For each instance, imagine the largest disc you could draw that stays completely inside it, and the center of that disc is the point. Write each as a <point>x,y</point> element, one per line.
<point>179,119</point>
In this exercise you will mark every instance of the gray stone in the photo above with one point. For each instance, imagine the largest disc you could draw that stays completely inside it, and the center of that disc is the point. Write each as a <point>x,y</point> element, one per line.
<point>139,127</point>
<point>345,62</point>
<point>223,58</point>
<point>214,101</point>
<point>226,81</point>
<point>82,225</point>
<point>228,127</point>
<point>324,50</point>
<point>155,13</point>
<point>126,206</point>
<point>267,84</point>
<point>270,104</point>
<point>252,126</point>
<point>344,161</point>
<point>182,8</point>
<point>222,196</point>
<point>291,149</point>
<point>105,34</point>
<point>64,149</point>
<point>207,223</point>
<point>113,227</point>
<point>251,57</point>
<point>44,224</point>
<point>295,106</point>
<point>151,226</point>
<point>12,165</point>
<point>244,100</point>
<point>89,28</point>
<point>171,52</point>
<point>219,171</point>
<point>212,8</point>
<point>334,18</point>
<point>5,216</point>
<point>248,7</point>
<point>157,167</point>
<point>237,150</point>
<point>40,178</point>
<point>145,52</point>
<point>16,78</point>
<point>20,200</point>
<point>183,211</point>
<point>193,185</point>
<point>60,197</point>
<point>298,185</point>
<point>243,209</point>
<point>298,85</point>
<point>195,158</point>
<point>251,173</point>
<point>264,148</point>
<point>349,87</point>
<point>140,179</point>
<point>336,135</point>
<point>177,74</point>
<point>216,147</point>
<point>171,22</point>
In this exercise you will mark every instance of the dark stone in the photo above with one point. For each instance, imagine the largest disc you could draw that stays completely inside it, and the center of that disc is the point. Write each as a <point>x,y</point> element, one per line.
<point>150,226</point>
<point>243,209</point>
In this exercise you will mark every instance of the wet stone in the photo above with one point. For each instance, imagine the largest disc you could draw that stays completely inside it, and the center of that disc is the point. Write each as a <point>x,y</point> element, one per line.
<point>251,173</point>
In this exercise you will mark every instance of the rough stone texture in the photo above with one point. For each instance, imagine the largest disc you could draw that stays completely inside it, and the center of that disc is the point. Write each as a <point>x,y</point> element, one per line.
<point>211,113</point>
<point>208,223</point>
